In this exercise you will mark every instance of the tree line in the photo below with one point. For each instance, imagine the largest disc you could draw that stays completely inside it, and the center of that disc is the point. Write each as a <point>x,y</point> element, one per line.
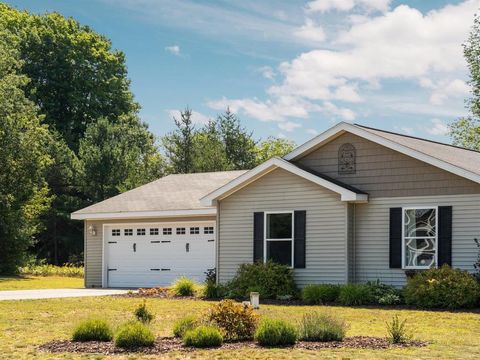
<point>71,135</point>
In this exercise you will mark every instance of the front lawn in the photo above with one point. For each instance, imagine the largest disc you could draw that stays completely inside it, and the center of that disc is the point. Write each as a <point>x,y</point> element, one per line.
<point>26,324</point>
<point>39,282</point>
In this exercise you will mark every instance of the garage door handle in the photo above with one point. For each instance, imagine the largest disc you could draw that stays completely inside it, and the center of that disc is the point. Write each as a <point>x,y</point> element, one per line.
<point>112,269</point>
<point>134,247</point>
<point>154,269</point>
<point>187,247</point>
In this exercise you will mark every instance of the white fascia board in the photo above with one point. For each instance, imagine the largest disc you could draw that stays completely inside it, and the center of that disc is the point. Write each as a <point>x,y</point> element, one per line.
<point>345,127</point>
<point>144,214</point>
<point>266,167</point>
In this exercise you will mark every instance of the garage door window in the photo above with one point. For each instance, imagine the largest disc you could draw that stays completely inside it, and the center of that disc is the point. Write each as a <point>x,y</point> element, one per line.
<point>167,231</point>
<point>180,231</point>
<point>128,232</point>
<point>115,232</point>
<point>208,230</point>
<point>154,231</point>
<point>140,231</point>
<point>194,230</point>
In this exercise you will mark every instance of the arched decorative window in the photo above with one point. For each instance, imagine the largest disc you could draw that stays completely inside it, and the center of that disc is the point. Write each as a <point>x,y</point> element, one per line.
<point>347,161</point>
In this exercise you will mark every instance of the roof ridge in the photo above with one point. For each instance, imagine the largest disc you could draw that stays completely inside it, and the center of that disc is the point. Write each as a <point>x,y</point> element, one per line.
<point>416,138</point>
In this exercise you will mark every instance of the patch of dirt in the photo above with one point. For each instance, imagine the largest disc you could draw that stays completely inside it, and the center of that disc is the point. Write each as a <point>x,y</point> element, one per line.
<point>168,344</point>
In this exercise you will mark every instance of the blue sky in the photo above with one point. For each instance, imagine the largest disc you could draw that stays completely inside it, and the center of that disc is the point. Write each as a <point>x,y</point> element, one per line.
<point>289,68</point>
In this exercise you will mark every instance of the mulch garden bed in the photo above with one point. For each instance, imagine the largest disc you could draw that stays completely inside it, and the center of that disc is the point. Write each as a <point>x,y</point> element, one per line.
<point>167,344</point>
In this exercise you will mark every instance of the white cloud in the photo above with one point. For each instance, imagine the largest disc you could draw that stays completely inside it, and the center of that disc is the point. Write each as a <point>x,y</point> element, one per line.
<point>311,31</point>
<point>445,89</point>
<point>405,130</point>
<point>267,72</point>
<point>347,5</point>
<point>197,118</point>
<point>437,127</point>
<point>174,49</point>
<point>312,132</point>
<point>289,126</point>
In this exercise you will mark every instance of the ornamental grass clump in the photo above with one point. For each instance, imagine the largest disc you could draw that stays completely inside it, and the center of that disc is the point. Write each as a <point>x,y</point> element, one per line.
<point>183,287</point>
<point>272,332</point>
<point>397,331</point>
<point>143,314</point>
<point>134,334</point>
<point>318,294</point>
<point>321,327</point>
<point>181,326</point>
<point>203,337</point>
<point>92,330</point>
<point>236,321</point>
<point>355,295</point>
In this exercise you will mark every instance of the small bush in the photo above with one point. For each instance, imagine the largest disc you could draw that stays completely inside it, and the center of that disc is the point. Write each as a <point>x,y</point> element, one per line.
<point>320,294</point>
<point>275,332</point>
<point>203,337</point>
<point>92,330</point>
<point>42,269</point>
<point>184,287</point>
<point>143,314</point>
<point>442,288</point>
<point>211,291</point>
<point>321,327</point>
<point>355,295</point>
<point>383,294</point>
<point>271,280</point>
<point>236,321</point>
<point>134,334</point>
<point>181,326</point>
<point>396,331</point>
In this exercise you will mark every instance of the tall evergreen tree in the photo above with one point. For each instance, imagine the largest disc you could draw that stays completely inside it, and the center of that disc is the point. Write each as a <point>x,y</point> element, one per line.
<point>466,131</point>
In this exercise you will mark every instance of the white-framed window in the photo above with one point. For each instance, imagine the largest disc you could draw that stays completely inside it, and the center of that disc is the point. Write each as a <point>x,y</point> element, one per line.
<point>140,232</point>
<point>208,230</point>
<point>128,232</point>
<point>153,231</point>
<point>278,235</point>
<point>167,231</point>
<point>181,231</point>
<point>194,230</point>
<point>419,237</point>
<point>115,232</point>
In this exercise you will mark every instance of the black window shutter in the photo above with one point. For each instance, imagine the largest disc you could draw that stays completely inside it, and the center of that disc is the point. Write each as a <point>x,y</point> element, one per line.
<point>299,238</point>
<point>395,238</point>
<point>258,220</point>
<point>444,235</point>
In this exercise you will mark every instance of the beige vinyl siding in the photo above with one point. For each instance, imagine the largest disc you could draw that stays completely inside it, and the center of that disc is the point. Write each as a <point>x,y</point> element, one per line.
<point>383,172</point>
<point>372,234</point>
<point>326,245</point>
<point>94,249</point>
<point>350,241</point>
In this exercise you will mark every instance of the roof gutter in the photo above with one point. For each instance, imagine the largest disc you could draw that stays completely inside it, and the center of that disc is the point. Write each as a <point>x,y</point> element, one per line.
<point>143,214</point>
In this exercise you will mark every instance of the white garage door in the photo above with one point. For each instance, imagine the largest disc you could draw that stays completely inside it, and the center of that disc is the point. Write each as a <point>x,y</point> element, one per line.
<point>148,255</point>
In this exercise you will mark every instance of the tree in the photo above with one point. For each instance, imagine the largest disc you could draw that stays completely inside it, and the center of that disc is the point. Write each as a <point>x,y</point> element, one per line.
<point>179,144</point>
<point>239,144</point>
<point>466,131</point>
<point>272,147</point>
<point>209,150</point>
<point>116,157</point>
<point>23,160</point>
<point>76,77</point>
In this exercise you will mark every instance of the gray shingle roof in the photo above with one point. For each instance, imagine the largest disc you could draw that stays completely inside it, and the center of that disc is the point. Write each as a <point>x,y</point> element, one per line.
<point>172,192</point>
<point>454,155</point>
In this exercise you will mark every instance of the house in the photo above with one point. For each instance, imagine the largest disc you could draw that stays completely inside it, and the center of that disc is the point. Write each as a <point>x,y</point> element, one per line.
<point>352,204</point>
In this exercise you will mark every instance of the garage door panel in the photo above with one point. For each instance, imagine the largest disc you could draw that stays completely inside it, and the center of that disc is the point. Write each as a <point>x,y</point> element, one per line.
<point>136,258</point>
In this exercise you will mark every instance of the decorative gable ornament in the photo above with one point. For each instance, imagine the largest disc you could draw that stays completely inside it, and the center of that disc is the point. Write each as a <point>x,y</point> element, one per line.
<point>347,158</point>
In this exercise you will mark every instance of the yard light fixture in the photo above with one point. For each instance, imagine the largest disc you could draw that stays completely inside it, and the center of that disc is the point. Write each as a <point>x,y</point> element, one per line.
<point>92,231</point>
<point>255,300</point>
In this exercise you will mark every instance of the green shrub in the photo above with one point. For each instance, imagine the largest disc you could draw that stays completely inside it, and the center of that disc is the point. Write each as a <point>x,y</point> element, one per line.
<point>383,294</point>
<point>143,314</point>
<point>43,269</point>
<point>269,279</point>
<point>181,326</point>
<point>236,321</point>
<point>92,330</point>
<point>442,288</point>
<point>355,295</point>
<point>275,332</point>
<point>183,287</point>
<point>210,291</point>
<point>320,294</point>
<point>321,327</point>
<point>396,331</point>
<point>134,334</point>
<point>203,337</point>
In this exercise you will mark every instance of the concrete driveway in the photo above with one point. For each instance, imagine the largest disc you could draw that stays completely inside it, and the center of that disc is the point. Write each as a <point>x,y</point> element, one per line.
<point>56,293</point>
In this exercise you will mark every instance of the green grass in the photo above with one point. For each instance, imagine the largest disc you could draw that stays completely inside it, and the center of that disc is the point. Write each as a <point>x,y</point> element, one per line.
<point>39,282</point>
<point>26,324</point>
